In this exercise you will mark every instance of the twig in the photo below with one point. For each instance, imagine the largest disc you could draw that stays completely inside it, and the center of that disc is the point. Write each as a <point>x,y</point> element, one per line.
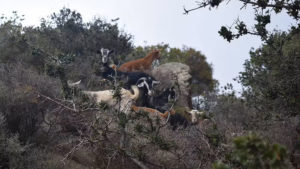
<point>200,5</point>
<point>109,160</point>
<point>91,108</point>
<point>139,163</point>
<point>50,99</point>
<point>75,148</point>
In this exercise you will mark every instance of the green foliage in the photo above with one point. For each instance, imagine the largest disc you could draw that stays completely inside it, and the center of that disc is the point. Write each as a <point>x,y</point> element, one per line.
<point>260,26</point>
<point>62,39</point>
<point>213,135</point>
<point>11,149</point>
<point>226,33</point>
<point>271,77</point>
<point>263,10</point>
<point>123,119</point>
<point>220,165</point>
<point>252,152</point>
<point>13,44</point>
<point>162,143</point>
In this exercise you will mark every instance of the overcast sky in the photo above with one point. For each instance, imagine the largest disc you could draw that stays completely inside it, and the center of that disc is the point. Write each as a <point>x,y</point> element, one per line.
<point>156,21</point>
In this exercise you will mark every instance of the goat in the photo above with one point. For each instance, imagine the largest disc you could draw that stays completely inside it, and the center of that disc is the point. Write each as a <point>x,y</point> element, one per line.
<point>158,104</point>
<point>142,64</point>
<point>107,96</point>
<point>161,101</point>
<point>175,119</point>
<point>152,111</point>
<point>195,114</point>
<point>128,78</point>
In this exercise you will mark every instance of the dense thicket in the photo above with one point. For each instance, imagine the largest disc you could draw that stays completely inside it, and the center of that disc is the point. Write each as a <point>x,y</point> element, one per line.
<point>271,77</point>
<point>43,125</point>
<point>36,62</point>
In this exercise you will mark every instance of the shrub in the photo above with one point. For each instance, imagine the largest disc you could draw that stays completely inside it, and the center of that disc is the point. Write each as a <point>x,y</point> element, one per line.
<point>252,152</point>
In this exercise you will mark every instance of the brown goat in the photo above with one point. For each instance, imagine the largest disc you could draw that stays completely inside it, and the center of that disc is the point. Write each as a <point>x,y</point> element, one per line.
<point>152,111</point>
<point>140,65</point>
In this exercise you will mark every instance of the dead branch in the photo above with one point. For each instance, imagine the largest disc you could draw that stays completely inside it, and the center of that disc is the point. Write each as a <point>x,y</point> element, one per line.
<point>74,149</point>
<point>54,101</point>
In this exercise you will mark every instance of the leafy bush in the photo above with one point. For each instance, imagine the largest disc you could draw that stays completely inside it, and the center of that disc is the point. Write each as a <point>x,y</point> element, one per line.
<point>11,150</point>
<point>252,152</point>
<point>271,76</point>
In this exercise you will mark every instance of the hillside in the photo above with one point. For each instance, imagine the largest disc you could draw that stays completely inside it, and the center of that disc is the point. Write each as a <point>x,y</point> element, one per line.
<point>47,123</point>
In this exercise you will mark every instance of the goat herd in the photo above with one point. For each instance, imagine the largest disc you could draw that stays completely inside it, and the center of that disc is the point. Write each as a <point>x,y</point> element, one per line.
<point>137,92</point>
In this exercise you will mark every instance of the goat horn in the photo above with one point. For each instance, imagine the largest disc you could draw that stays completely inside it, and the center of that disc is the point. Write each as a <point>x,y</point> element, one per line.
<point>155,82</point>
<point>142,78</point>
<point>73,84</point>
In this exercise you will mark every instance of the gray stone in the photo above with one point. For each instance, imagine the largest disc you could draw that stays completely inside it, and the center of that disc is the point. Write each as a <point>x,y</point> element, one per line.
<point>177,75</point>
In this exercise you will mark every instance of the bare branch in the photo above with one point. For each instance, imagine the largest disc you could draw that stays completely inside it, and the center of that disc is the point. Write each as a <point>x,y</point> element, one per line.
<point>74,149</point>
<point>270,5</point>
<point>139,163</point>
<point>200,5</point>
<point>54,101</point>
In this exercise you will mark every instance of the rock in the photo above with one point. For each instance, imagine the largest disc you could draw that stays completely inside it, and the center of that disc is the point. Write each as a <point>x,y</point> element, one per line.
<point>177,75</point>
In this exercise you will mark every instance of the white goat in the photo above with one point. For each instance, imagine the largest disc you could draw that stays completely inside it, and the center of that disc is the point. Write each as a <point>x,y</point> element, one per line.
<point>196,115</point>
<point>106,96</point>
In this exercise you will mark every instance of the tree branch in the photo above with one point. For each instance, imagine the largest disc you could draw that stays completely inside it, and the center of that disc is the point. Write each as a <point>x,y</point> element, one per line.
<point>54,101</point>
<point>267,5</point>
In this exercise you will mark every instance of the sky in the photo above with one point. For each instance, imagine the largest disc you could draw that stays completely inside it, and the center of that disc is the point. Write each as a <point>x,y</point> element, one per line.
<point>162,21</point>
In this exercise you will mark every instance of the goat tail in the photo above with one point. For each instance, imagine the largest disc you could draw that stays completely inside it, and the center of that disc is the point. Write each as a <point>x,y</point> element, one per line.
<point>136,92</point>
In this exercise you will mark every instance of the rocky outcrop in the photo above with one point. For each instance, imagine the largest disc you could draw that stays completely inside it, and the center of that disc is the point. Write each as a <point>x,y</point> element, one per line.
<point>177,75</point>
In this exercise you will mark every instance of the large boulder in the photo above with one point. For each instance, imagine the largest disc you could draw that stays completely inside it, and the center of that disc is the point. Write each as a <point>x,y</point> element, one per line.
<point>176,75</point>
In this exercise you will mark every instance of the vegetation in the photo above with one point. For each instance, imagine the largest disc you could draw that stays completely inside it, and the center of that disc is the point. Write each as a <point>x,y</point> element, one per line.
<point>46,124</point>
<point>271,76</point>
<point>263,10</point>
<point>271,86</point>
<point>252,152</point>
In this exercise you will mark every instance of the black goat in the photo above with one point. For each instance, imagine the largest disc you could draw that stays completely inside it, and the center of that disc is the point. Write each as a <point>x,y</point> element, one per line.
<point>159,102</point>
<point>177,120</point>
<point>162,104</point>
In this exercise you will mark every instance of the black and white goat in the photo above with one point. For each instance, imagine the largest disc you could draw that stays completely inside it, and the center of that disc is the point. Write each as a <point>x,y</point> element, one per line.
<point>127,78</point>
<point>159,102</point>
